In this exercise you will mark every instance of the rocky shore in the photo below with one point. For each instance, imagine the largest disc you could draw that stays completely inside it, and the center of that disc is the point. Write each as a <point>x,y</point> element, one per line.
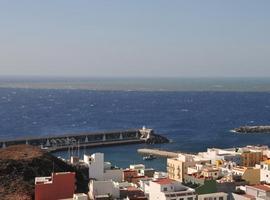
<point>252,129</point>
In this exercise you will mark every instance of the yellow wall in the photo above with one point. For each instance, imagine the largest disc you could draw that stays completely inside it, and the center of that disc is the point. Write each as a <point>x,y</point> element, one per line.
<point>175,169</point>
<point>252,175</point>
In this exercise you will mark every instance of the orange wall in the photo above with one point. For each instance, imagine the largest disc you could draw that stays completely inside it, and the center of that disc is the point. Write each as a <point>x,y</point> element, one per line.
<point>62,186</point>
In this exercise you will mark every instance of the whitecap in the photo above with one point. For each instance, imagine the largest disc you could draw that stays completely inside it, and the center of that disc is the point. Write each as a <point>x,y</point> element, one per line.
<point>184,110</point>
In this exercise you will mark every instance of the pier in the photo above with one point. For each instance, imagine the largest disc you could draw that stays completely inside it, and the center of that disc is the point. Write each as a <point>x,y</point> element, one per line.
<point>88,139</point>
<point>157,152</point>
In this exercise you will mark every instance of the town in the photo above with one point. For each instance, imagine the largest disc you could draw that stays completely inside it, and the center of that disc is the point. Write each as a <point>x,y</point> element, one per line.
<point>241,173</point>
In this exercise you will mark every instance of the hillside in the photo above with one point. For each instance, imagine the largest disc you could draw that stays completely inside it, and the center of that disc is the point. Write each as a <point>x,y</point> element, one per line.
<point>20,164</point>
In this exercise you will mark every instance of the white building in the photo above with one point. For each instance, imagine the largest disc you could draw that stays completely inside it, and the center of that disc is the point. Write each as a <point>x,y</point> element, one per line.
<point>100,170</point>
<point>101,188</point>
<point>160,175</point>
<point>255,192</point>
<point>168,189</point>
<point>138,167</point>
<point>144,185</point>
<point>80,196</point>
<point>212,196</point>
<point>215,154</point>
<point>265,171</point>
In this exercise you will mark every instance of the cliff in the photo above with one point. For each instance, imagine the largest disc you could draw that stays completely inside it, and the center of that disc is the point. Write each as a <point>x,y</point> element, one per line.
<point>20,164</point>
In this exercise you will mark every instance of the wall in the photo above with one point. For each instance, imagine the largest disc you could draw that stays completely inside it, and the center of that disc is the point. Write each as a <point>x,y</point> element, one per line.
<point>252,176</point>
<point>113,174</point>
<point>213,195</point>
<point>103,188</point>
<point>175,169</point>
<point>62,186</point>
<point>265,173</point>
<point>96,166</point>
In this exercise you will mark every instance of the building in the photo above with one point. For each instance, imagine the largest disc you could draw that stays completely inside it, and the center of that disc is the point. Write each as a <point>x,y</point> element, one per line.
<point>144,185</point>
<point>251,157</point>
<point>132,193</point>
<point>129,174</point>
<point>58,186</point>
<point>80,196</point>
<point>178,167</point>
<point>138,167</point>
<point>247,156</point>
<point>100,170</point>
<point>265,171</point>
<point>103,189</point>
<point>215,154</point>
<point>210,173</point>
<point>148,172</point>
<point>213,196</point>
<point>168,189</point>
<point>249,174</point>
<point>255,192</point>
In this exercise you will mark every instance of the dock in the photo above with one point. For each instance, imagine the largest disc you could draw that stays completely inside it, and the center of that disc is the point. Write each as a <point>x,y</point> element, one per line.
<point>157,152</point>
<point>87,139</point>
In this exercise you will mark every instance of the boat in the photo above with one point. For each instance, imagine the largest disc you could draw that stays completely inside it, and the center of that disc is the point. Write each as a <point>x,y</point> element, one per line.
<point>150,157</point>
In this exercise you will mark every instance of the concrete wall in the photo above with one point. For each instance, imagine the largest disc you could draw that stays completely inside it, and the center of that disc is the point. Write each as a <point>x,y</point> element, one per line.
<point>113,174</point>
<point>103,188</point>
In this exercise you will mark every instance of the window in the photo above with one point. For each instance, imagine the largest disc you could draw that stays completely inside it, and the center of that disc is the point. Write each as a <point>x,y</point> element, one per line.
<point>190,198</point>
<point>165,189</point>
<point>220,198</point>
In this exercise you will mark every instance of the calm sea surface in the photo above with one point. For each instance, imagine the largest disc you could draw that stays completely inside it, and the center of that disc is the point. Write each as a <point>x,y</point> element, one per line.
<point>193,120</point>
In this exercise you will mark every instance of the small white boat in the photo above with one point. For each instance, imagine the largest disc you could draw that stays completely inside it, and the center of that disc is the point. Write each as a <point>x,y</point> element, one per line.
<point>150,157</point>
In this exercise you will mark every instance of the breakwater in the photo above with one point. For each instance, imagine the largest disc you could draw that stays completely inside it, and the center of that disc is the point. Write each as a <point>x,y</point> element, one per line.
<point>157,152</point>
<point>88,139</point>
<point>252,129</point>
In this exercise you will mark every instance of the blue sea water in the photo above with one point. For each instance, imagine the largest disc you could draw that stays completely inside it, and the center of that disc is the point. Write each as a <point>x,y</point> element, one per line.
<point>193,120</point>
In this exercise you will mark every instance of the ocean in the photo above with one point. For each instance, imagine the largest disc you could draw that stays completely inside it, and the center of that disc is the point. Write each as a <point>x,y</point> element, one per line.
<point>193,120</point>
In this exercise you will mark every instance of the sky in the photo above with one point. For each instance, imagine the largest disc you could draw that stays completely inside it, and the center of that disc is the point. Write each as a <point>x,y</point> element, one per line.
<point>176,38</point>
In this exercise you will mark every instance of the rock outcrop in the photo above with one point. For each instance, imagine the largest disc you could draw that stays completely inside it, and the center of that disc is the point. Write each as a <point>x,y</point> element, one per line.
<point>157,139</point>
<point>252,129</point>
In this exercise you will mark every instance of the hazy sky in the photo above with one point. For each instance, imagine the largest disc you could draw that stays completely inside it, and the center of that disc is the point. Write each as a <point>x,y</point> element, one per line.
<point>135,38</point>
